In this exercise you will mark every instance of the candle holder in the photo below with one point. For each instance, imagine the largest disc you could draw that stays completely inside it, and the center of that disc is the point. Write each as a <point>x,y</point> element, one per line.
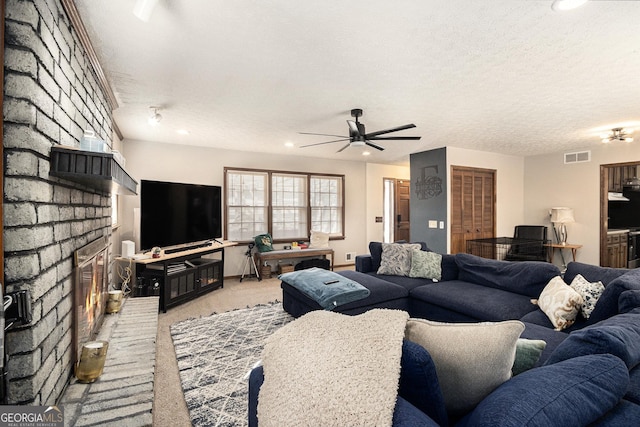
<point>114,302</point>
<point>92,360</point>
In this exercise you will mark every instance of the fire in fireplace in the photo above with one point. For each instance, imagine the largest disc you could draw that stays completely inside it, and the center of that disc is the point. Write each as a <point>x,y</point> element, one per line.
<point>90,292</point>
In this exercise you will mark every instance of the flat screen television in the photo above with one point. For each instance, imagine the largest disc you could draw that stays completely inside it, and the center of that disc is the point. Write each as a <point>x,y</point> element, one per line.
<point>174,214</point>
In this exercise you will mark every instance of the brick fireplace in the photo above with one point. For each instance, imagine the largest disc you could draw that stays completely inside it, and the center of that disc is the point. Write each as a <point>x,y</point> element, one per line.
<point>51,94</point>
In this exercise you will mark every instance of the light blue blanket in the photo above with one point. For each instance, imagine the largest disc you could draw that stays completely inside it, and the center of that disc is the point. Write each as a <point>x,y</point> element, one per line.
<point>325,287</point>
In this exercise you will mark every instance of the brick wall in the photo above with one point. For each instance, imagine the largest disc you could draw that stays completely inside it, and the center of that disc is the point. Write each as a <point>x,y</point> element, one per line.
<point>51,95</point>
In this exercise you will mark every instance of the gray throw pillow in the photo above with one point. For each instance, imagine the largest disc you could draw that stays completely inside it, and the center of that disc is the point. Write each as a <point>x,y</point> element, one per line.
<point>426,265</point>
<point>396,258</point>
<point>472,359</point>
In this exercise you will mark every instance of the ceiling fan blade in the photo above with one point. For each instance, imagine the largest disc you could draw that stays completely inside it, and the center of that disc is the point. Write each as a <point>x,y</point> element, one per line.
<point>321,134</point>
<point>376,146</point>
<point>396,129</point>
<point>353,128</point>
<point>399,138</point>
<point>343,148</point>
<point>326,142</point>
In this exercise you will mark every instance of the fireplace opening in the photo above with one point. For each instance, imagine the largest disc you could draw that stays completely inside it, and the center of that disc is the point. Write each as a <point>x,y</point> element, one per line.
<point>90,287</point>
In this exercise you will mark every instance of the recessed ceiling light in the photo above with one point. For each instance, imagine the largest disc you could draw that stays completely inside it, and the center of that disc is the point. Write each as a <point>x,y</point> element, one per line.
<point>182,132</point>
<point>366,153</point>
<point>561,5</point>
<point>288,144</point>
<point>155,117</point>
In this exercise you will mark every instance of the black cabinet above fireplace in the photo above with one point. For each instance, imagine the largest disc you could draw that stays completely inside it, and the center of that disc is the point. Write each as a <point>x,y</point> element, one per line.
<point>94,169</point>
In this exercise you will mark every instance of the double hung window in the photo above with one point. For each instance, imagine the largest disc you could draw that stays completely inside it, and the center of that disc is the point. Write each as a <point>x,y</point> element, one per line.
<point>288,205</point>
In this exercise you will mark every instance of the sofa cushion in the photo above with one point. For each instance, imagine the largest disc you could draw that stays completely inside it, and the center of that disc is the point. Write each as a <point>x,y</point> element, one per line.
<point>406,282</point>
<point>619,335</point>
<point>525,278</point>
<point>560,303</point>
<point>592,273</point>
<point>427,265</point>
<point>575,392</point>
<point>625,414</point>
<point>407,415</point>
<point>450,269</point>
<point>396,258</point>
<point>628,300</point>
<point>528,353</point>
<point>589,291</point>
<point>474,301</point>
<point>471,359</point>
<point>633,392</point>
<point>607,304</point>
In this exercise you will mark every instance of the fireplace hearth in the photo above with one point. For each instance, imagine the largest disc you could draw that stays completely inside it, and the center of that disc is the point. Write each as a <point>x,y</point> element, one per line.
<point>90,292</point>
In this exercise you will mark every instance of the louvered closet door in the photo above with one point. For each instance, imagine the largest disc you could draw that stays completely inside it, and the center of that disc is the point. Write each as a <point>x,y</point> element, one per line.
<point>472,206</point>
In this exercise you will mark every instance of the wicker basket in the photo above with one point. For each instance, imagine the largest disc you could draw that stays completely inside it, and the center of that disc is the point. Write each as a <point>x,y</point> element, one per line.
<point>265,272</point>
<point>285,268</point>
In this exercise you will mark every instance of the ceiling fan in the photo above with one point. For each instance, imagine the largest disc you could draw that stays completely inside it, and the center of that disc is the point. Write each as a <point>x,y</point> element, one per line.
<point>358,137</point>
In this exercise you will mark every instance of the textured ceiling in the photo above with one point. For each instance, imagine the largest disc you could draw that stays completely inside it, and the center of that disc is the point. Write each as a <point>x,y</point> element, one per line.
<point>508,76</point>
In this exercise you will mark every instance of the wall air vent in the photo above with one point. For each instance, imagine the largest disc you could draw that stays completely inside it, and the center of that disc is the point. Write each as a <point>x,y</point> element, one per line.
<point>579,157</point>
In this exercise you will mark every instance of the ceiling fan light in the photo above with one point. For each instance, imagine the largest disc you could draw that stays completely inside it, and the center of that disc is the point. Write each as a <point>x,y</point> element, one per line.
<point>562,5</point>
<point>143,9</point>
<point>606,140</point>
<point>628,140</point>
<point>155,117</point>
<point>357,143</point>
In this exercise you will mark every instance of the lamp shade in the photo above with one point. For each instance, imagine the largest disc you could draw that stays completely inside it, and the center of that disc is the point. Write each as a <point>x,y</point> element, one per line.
<point>562,215</point>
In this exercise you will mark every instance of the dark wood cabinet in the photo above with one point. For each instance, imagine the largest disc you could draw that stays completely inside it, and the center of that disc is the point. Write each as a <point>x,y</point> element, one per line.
<point>618,175</point>
<point>617,249</point>
<point>182,276</point>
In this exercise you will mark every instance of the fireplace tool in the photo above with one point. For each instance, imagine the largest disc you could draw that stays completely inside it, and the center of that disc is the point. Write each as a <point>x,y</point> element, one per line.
<point>249,262</point>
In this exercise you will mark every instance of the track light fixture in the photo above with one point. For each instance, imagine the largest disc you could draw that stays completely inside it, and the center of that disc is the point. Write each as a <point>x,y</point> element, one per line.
<point>561,5</point>
<point>618,134</point>
<point>155,117</point>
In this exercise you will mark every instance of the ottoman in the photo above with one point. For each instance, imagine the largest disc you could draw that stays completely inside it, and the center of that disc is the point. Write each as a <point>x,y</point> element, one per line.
<point>382,294</point>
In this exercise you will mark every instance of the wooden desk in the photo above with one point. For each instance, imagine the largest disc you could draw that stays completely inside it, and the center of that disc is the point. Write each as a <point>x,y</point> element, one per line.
<point>261,257</point>
<point>553,246</point>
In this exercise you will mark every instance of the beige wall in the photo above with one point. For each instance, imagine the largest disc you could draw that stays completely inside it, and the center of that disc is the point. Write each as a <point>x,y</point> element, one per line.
<point>200,165</point>
<point>509,186</point>
<point>375,175</point>
<point>549,182</point>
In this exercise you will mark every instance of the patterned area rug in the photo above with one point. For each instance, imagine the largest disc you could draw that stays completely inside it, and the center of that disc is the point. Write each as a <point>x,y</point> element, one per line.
<point>214,355</point>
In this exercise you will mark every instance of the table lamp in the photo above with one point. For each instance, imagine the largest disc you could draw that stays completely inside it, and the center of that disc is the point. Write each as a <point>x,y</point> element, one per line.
<point>559,217</point>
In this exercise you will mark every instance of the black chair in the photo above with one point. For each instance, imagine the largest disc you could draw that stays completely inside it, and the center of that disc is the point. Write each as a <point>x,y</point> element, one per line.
<point>528,244</point>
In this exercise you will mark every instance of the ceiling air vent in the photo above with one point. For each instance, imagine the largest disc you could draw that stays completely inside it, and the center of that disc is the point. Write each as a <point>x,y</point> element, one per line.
<point>579,157</point>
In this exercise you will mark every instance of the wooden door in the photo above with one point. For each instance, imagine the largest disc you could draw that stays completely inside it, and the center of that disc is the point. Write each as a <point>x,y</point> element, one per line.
<point>472,206</point>
<point>403,219</point>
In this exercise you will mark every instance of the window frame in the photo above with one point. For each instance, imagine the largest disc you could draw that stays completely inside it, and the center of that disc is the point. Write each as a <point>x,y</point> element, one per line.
<point>269,202</point>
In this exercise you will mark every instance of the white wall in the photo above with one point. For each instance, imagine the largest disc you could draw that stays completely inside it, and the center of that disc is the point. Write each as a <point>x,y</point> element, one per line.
<point>199,165</point>
<point>375,202</point>
<point>549,182</point>
<point>509,185</point>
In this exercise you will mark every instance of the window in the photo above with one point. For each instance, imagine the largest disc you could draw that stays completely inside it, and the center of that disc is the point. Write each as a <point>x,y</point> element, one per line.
<point>285,204</point>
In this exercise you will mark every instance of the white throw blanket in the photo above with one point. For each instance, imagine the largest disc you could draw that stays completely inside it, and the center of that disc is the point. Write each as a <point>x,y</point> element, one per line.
<point>331,369</point>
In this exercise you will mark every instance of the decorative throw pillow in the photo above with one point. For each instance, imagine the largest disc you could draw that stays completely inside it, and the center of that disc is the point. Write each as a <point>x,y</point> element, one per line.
<point>471,359</point>
<point>589,291</point>
<point>396,258</point>
<point>426,264</point>
<point>527,354</point>
<point>560,302</point>
<point>319,240</point>
<point>264,242</point>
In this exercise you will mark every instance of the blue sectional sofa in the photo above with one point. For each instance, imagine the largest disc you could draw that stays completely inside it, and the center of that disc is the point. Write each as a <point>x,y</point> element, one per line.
<point>588,374</point>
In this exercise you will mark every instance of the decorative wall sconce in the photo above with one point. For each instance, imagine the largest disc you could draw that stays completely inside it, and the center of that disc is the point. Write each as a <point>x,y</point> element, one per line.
<point>559,218</point>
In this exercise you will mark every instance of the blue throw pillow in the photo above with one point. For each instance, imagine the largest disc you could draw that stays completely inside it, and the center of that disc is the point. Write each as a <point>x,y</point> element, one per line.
<point>629,300</point>
<point>574,392</point>
<point>419,382</point>
<point>618,335</point>
<point>525,278</point>
<point>593,273</point>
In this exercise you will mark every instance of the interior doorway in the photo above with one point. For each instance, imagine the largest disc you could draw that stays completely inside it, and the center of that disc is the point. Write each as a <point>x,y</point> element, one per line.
<point>396,220</point>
